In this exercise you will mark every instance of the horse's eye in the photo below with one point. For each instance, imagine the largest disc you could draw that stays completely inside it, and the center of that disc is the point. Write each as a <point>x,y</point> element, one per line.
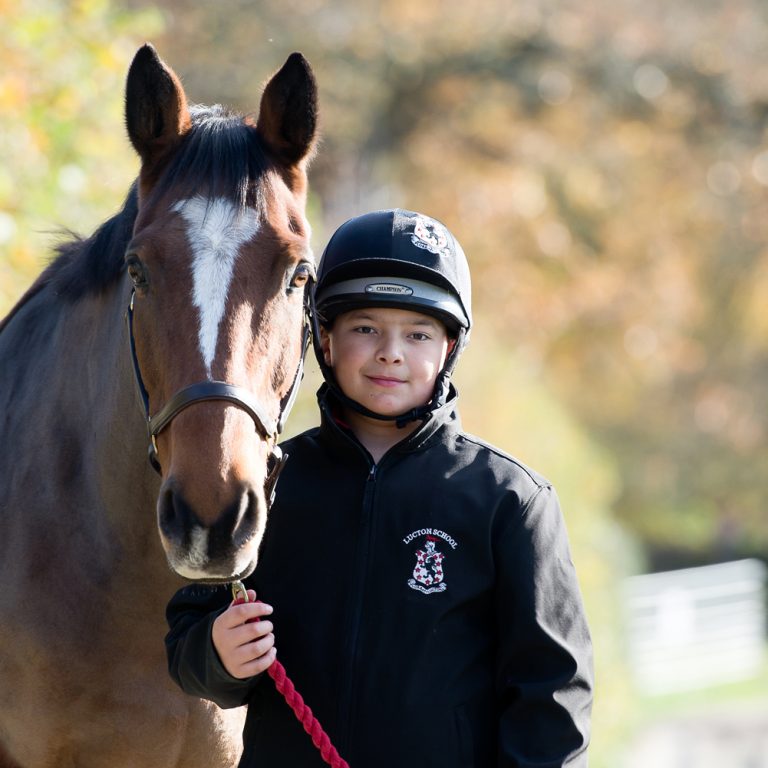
<point>136,271</point>
<point>302,275</point>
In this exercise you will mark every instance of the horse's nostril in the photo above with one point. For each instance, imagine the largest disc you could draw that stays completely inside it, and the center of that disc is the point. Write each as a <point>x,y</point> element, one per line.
<point>174,515</point>
<point>235,523</point>
<point>250,514</point>
<point>167,508</point>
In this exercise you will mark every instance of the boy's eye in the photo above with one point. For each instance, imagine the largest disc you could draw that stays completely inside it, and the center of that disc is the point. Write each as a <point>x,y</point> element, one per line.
<point>364,329</point>
<point>420,336</point>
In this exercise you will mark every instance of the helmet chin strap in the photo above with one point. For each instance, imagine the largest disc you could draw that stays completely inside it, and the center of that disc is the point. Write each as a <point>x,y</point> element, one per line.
<point>439,394</point>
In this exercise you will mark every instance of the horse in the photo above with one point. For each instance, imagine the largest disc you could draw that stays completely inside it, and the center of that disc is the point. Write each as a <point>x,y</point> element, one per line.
<point>179,324</point>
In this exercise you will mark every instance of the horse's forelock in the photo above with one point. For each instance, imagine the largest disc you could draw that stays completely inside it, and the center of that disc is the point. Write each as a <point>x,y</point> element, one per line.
<point>220,156</point>
<point>208,163</point>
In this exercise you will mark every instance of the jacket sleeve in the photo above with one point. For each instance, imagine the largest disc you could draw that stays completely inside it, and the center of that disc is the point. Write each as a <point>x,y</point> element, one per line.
<point>544,664</point>
<point>192,660</point>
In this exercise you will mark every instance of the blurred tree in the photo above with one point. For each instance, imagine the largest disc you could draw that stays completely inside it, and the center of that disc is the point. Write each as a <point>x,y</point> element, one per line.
<point>65,159</point>
<point>606,169</point>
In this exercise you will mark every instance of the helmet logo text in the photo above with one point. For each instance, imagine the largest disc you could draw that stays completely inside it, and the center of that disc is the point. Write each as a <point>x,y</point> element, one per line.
<point>389,289</point>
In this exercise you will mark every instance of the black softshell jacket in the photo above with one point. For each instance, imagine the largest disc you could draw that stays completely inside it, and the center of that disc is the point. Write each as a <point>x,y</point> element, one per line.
<point>426,609</point>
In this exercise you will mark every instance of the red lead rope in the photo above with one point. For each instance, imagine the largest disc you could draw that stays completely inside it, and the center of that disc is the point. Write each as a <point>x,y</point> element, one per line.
<point>294,700</point>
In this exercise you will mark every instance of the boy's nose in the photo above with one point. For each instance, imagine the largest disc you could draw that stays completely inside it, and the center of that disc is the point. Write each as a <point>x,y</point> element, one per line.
<point>389,350</point>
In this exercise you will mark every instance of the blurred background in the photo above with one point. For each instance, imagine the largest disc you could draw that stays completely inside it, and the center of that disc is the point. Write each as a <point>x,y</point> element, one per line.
<point>605,166</point>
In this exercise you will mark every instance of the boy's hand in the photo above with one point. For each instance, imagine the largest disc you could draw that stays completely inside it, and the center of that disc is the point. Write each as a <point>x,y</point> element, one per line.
<point>246,646</point>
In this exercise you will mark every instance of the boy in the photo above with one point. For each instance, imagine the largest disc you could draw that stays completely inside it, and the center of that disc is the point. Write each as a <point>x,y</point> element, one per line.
<point>426,606</point>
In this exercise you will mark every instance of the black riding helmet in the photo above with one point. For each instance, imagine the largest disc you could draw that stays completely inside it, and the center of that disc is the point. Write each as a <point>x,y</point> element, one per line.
<point>400,259</point>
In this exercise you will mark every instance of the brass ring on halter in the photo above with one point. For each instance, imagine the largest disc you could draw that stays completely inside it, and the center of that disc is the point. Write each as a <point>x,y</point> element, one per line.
<point>239,592</point>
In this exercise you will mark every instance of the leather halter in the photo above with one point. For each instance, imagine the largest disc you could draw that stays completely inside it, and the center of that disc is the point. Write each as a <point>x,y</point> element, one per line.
<point>266,426</point>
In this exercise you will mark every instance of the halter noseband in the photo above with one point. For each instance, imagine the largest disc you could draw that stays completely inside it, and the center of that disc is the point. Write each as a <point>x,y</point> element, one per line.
<point>266,426</point>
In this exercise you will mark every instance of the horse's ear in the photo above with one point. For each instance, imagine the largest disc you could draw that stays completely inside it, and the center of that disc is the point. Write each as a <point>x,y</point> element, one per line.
<point>156,111</point>
<point>288,112</point>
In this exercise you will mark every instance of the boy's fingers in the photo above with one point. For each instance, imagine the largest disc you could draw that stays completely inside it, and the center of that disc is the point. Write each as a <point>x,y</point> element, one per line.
<point>242,635</point>
<point>239,614</point>
<point>252,659</point>
<point>258,648</point>
<point>241,638</point>
<point>259,665</point>
<point>256,629</point>
<point>244,639</point>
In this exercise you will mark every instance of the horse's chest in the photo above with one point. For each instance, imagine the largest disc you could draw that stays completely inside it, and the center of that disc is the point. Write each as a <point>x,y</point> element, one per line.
<point>150,727</point>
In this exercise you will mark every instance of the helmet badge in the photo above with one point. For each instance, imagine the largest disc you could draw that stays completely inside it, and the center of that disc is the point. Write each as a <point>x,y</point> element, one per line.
<point>391,289</point>
<point>431,236</point>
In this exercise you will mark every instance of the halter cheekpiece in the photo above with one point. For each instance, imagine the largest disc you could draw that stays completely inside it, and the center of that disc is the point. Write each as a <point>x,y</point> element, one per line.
<point>266,426</point>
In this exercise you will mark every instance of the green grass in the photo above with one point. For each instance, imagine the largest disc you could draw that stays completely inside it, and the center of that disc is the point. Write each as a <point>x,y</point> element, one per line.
<point>651,708</point>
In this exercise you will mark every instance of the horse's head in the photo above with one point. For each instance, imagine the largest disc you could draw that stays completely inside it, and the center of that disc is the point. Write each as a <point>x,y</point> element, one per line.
<point>220,261</point>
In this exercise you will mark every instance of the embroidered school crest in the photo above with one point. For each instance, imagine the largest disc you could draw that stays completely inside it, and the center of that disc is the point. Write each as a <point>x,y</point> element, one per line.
<point>429,572</point>
<point>430,235</point>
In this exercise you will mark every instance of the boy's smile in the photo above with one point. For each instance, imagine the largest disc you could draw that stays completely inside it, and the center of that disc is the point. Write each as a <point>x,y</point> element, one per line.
<point>386,359</point>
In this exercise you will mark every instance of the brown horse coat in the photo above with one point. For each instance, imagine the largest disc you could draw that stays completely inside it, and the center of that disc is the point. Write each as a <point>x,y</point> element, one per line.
<point>214,224</point>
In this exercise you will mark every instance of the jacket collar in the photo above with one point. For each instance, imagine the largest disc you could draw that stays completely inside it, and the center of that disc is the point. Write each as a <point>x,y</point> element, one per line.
<point>340,437</point>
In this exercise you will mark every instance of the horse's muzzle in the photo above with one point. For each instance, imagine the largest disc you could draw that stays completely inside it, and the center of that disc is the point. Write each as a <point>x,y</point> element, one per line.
<point>206,545</point>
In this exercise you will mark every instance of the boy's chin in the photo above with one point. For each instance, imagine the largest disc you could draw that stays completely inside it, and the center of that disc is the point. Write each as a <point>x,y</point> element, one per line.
<point>390,410</point>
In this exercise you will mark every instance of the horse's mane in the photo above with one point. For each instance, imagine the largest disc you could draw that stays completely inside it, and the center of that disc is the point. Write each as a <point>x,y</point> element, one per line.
<point>210,160</point>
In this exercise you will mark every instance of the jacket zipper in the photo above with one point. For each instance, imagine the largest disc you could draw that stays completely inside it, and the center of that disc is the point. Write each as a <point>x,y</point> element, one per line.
<point>347,701</point>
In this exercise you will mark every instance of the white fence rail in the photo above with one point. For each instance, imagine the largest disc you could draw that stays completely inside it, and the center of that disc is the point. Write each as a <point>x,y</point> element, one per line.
<point>696,627</point>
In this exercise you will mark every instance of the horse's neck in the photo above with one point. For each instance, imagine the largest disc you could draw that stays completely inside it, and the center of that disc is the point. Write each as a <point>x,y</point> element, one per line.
<point>94,351</point>
<point>127,486</point>
<point>76,426</point>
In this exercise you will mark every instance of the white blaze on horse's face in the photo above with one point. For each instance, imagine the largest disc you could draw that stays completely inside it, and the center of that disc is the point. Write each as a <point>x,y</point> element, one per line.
<point>216,229</point>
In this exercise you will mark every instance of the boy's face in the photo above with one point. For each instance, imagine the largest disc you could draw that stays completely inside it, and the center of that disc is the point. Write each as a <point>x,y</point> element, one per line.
<point>386,359</point>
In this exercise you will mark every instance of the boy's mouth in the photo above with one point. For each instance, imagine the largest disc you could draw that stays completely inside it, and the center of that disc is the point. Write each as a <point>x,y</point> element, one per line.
<point>385,381</point>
